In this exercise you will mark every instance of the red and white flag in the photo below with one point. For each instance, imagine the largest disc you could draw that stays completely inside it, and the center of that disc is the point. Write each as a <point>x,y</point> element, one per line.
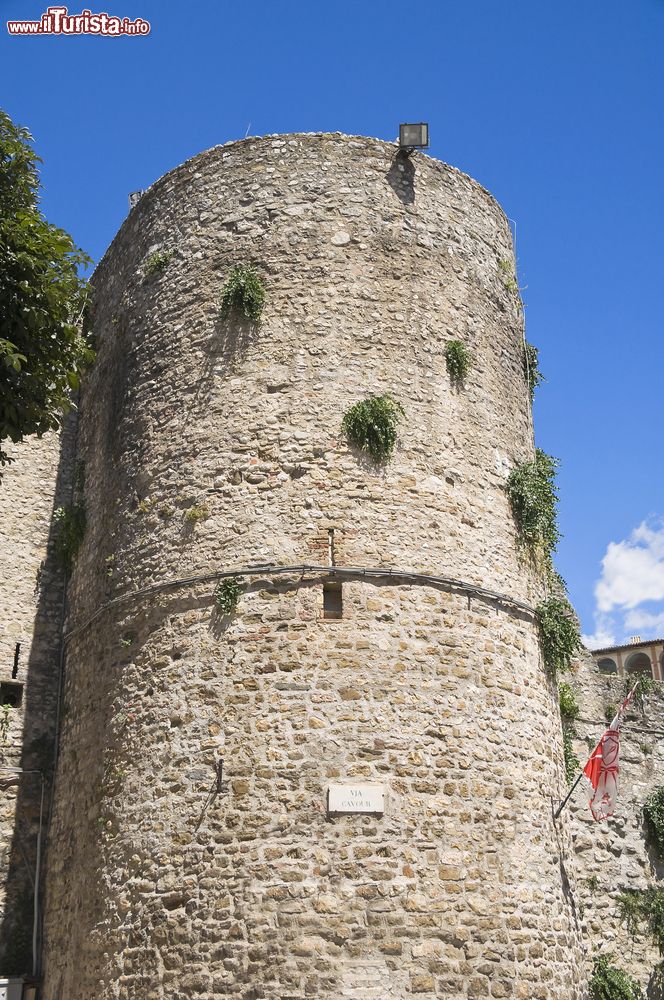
<point>602,768</point>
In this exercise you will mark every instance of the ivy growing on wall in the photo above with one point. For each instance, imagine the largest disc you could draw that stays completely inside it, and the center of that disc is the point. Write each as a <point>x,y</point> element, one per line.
<point>558,634</point>
<point>646,906</point>
<point>458,361</point>
<point>569,707</point>
<point>227,596</point>
<point>572,762</point>
<point>244,293</point>
<point>531,488</point>
<point>609,982</point>
<point>371,425</point>
<point>569,712</point>
<point>653,812</point>
<point>531,369</point>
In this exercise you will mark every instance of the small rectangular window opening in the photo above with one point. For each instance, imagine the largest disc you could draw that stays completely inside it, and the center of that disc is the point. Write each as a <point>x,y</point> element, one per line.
<point>11,693</point>
<point>332,601</point>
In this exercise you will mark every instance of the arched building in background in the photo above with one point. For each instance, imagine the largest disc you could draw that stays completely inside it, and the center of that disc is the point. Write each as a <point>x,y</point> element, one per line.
<point>634,657</point>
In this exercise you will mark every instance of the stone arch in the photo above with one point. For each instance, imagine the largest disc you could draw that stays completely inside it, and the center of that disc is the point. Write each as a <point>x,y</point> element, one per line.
<point>638,663</point>
<point>607,666</point>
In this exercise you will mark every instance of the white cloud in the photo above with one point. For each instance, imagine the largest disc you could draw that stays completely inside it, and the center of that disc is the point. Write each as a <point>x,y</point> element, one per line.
<point>604,634</point>
<point>645,621</point>
<point>632,570</point>
<point>632,573</point>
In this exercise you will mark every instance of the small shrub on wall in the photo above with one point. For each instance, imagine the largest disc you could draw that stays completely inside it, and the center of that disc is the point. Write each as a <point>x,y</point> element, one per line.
<point>609,982</point>
<point>458,360</point>
<point>243,293</point>
<point>227,596</point>
<point>156,262</point>
<point>531,369</point>
<point>371,425</point>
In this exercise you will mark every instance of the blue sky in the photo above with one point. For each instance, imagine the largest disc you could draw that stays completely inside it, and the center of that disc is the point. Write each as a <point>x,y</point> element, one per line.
<point>556,108</point>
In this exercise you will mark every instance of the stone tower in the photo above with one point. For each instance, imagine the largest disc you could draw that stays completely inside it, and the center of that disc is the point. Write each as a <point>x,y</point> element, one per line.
<point>212,445</point>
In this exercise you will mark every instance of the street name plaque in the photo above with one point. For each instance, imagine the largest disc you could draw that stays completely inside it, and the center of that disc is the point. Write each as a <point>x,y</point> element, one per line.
<point>352,798</point>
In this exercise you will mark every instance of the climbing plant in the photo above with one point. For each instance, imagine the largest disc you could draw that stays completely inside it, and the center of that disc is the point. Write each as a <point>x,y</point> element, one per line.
<point>644,906</point>
<point>371,425</point>
<point>569,708</point>
<point>227,596</point>
<point>558,634</point>
<point>609,982</point>
<point>243,292</point>
<point>70,529</point>
<point>458,361</point>
<point>531,369</point>
<point>533,496</point>
<point>572,762</point>
<point>653,811</point>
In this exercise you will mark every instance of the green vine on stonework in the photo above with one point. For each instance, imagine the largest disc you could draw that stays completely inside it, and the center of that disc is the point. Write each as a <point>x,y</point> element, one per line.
<point>653,812</point>
<point>458,361</point>
<point>569,707</point>
<point>610,982</point>
<point>533,496</point>
<point>244,293</point>
<point>531,369</point>
<point>227,596</point>
<point>572,762</point>
<point>70,530</point>
<point>371,425</point>
<point>644,906</point>
<point>558,634</point>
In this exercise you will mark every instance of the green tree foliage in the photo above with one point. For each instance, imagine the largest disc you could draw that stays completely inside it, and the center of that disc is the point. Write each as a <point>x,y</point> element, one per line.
<point>42,348</point>
<point>609,982</point>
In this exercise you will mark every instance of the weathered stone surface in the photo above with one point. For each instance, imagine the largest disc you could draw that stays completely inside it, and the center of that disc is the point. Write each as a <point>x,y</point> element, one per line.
<point>159,884</point>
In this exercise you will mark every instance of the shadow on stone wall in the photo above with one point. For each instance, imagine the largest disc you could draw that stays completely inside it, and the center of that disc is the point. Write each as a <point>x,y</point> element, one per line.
<point>655,989</point>
<point>401,178</point>
<point>41,677</point>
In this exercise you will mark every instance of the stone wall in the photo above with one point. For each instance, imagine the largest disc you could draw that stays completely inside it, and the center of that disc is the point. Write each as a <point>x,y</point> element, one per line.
<point>31,598</point>
<point>616,855</point>
<point>212,444</point>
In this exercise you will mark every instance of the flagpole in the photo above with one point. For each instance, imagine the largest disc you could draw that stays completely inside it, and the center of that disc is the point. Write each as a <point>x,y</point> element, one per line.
<point>567,797</point>
<point>615,721</point>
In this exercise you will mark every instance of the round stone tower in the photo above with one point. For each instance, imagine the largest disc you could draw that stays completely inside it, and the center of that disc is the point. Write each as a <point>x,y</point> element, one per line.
<point>381,824</point>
